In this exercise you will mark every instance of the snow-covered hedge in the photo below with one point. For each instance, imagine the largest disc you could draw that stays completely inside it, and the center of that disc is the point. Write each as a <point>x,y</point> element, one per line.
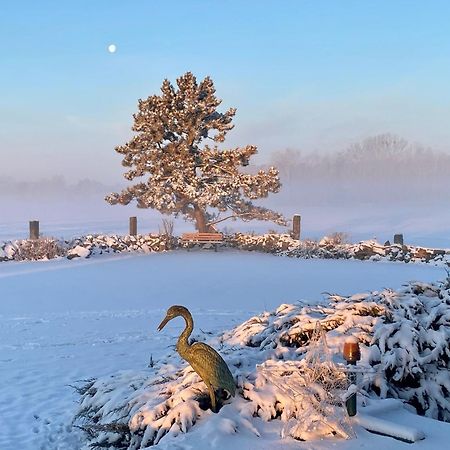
<point>100,244</point>
<point>268,243</point>
<point>404,335</point>
<point>31,250</point>
<point>278,244</point>
<point>84,247</point>
<point>330,248</point>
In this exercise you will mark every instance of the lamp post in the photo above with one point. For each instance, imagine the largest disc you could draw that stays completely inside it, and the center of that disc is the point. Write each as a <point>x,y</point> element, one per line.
<point>352,354</point>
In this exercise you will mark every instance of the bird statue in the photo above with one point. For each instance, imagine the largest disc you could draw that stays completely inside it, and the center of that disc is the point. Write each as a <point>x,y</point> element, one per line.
<point>213,370</point>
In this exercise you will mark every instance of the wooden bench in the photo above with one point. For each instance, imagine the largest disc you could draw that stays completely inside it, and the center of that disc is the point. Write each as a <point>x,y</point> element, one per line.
<point>202,238</point>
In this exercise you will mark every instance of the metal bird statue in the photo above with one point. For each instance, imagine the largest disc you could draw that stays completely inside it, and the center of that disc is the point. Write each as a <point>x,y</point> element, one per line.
<point>212,369</point>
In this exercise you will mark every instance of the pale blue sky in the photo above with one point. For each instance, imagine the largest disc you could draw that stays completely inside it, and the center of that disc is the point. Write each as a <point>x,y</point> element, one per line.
<point>312,75</point>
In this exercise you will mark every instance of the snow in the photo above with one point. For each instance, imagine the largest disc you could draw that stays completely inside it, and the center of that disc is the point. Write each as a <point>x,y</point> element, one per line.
<point>389,428</point>
<point>79,251</point>
<point>64,321</point>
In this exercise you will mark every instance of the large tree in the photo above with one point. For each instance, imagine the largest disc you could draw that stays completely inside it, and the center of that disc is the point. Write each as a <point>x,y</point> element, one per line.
<point>178,173</point>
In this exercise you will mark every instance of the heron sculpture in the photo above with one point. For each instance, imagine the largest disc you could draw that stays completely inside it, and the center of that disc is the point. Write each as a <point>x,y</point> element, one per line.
<point>213,370</point>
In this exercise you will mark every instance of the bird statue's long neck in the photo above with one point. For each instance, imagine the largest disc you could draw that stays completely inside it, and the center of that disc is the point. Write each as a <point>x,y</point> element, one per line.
<point>183,344</point>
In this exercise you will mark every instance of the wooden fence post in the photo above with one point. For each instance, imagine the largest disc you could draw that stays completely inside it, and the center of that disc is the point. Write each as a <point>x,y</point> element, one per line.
<point>133,226</point>
<point>34,229</point>
<point>398,239</point>
<point>296,226</point>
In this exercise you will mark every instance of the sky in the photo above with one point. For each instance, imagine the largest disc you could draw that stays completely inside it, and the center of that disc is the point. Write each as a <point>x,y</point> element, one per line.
<point>310,75</point>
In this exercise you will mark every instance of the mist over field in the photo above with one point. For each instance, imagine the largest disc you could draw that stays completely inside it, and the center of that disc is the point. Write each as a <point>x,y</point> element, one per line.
<point>373,188</point>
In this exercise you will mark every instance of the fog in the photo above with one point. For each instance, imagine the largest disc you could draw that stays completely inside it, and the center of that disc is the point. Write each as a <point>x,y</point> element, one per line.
<point>373,188</point>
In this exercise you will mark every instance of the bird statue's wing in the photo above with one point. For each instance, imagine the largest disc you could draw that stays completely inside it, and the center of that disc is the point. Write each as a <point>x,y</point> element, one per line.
<point>211,367</point>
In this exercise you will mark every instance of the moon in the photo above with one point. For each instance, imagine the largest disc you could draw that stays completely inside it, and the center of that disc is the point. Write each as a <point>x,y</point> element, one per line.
<point>112,48</point>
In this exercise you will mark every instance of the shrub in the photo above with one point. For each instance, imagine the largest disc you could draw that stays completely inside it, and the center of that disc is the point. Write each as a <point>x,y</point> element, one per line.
<point>37,249</point>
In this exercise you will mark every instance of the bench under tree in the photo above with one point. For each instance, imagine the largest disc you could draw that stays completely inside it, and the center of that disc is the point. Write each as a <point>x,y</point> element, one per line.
<point>192,239</point>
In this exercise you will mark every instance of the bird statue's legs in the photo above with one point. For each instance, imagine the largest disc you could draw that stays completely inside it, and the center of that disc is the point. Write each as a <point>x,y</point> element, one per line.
<point>212,395</point>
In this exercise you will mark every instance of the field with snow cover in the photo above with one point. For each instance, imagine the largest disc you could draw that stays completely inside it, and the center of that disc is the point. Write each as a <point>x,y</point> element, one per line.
<point>64,321</point>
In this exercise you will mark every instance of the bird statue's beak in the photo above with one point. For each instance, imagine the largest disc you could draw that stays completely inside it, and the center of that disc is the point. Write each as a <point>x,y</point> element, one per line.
<point>163,323</point>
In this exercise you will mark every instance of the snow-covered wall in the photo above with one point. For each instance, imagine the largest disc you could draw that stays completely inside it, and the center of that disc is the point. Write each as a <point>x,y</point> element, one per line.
<point>277,244</point>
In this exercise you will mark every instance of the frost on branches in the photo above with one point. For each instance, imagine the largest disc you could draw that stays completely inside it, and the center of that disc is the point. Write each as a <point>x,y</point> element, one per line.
<point>177,173</point>
<point>405,349</point>
<point>316,387</point>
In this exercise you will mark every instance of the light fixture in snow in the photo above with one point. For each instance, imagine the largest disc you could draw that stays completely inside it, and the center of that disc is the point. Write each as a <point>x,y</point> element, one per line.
<point>112,48</point>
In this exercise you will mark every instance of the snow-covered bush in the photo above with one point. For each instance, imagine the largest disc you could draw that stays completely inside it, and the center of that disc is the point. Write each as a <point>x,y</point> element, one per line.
<point>153,412</point>
<point>411,349</point>
<point>310,394</point>
<point>336,238</point>
<point>404,337</point>
<point>133,410</point>
<point>84,247</point>
<point>32,250</point>
<point>101,244</point>
<point>268,243</point>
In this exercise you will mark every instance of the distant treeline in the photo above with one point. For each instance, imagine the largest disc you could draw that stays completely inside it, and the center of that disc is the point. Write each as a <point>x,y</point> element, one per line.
<point>53,187</point>
<point>375,158</point>
<point>380,168</point>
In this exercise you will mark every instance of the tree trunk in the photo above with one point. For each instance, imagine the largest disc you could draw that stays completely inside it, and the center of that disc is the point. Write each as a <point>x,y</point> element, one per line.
<point>200,220</point>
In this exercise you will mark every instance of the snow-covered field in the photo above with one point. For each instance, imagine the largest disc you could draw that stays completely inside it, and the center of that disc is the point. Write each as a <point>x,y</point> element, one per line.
<point>63,321</point>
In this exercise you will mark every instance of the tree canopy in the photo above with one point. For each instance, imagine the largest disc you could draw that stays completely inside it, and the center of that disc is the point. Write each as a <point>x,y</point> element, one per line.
<point>177,172</point>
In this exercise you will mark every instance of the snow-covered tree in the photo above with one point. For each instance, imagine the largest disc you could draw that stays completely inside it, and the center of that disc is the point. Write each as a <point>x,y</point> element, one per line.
<point>178,172</point>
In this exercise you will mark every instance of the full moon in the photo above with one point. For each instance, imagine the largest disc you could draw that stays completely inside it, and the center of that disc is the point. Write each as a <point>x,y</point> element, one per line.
<point>112,48</point>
